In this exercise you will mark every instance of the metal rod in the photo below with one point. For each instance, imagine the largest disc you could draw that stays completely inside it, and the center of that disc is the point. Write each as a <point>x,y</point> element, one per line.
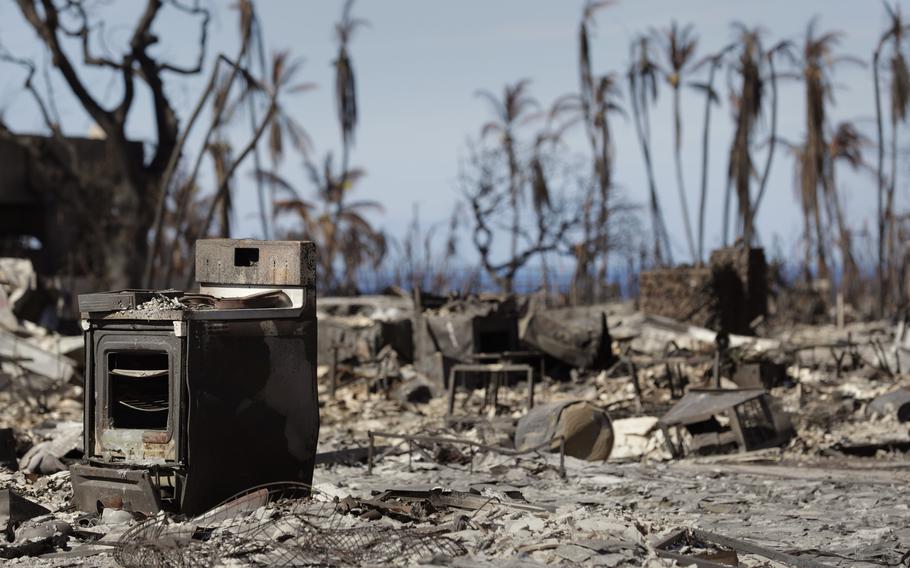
<point>334,370</point>
<point>452,375</point>
<point>717,368</point>
<point>633,371</point>
<point>370,455</point>
<point>562,457</point>
<point>530,389</point>
<point>746,547</point>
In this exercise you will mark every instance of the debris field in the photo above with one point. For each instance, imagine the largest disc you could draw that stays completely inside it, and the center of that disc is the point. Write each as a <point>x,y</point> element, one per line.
<point>498,431</point>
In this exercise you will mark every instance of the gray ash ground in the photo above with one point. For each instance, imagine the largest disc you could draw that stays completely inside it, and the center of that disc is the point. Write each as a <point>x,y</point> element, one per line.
<point>811,498</point>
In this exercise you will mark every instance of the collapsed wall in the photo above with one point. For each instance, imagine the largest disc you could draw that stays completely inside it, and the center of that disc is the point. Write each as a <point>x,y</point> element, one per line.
<point>727,295</point>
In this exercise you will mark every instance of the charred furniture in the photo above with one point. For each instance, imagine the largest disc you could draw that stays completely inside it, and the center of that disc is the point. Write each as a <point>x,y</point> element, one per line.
<point>708,421</point>
<point>495,375</point>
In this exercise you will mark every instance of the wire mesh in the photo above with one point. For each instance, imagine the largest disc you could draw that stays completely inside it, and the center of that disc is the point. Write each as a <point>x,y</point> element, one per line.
<point>283,524</point>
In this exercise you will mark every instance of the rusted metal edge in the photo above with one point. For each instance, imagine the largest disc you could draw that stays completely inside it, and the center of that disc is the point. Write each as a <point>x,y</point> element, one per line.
<point>740,546</point>
<point>372,435</point>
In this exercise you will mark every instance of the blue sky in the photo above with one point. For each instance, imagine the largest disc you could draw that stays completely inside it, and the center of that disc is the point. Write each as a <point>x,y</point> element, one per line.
<point>420,62</point>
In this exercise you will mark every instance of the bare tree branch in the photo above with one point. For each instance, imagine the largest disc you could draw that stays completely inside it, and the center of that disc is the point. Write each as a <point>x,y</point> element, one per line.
<point>46,28</point>
<point>28,85</point>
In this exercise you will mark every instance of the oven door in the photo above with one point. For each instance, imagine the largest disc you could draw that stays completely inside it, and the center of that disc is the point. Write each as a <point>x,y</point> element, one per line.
<point>138,378</point>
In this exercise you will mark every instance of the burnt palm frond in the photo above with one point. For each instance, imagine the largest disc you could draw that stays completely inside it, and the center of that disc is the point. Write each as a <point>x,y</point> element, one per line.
<point>345,80</point>
<point>345,95</point>
<point>275,181</point>
<point>365,205</point>
<point>900,87</point>
<point>586,75</point>
<point>645,68</point>
<point>540,192</point>
<point>679,44</point>
<point>847,144</point>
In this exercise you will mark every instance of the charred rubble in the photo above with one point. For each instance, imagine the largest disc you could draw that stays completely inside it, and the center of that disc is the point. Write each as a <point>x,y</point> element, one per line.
<point>180,428</point>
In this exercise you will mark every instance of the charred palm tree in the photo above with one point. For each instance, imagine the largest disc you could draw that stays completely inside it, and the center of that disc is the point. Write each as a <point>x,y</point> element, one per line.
<point>346,107</point>
<point>603,103</point>
<point>642,77</point>
<point>345,82</point>
<point>782,48</point>
<point>283,129</point>
<point>540,194</point>
<point>679,45</point>
<point>591,106</point>
<point>606,97</point>
<point>713,62</point>
<point>333,222</point>
<point>800,167</point>
<point>747,105</point>
<point>818,62</point>
<point>899,96</point>
<point>511,112</point>
<point>598,98</point>
<point>846,146</point>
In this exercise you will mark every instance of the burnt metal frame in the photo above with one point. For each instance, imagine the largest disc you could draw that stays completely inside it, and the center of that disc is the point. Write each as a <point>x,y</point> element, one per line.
<point>740,546</point>
<point>734,415</point>
<point>492,371</point>
<point>410,438</point>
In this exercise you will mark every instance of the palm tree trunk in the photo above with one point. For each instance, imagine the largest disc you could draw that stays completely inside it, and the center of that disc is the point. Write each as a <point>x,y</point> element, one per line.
<point>881,182</point>
<point>657,225</point>
<point>544,268</point>
<point>683,201</point>
<point>513,196</point>
<point>848,261</point>
<point>260,186</point>
<point>889,212</point>
<point>603,217</point>
<point>772,142</point>
<point>807,237</point>
<point>821,265</point>
<point>726,229</point>
<point>702,201</point>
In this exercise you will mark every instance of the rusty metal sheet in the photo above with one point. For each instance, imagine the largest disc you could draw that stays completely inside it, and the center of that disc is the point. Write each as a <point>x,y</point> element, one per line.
<point>132,489</point>
<point>700,404</point>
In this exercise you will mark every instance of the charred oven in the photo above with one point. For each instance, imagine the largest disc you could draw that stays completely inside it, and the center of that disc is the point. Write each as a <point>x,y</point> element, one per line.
<point>190,398</point>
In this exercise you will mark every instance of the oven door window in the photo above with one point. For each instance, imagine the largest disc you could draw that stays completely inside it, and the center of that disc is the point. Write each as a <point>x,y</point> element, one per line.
<point>139,383</point>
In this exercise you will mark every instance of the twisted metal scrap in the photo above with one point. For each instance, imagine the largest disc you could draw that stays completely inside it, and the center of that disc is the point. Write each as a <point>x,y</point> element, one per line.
<point>283,524</point>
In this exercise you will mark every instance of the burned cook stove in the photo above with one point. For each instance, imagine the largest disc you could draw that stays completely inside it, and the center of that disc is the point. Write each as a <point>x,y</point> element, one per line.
<point>190,398</point>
